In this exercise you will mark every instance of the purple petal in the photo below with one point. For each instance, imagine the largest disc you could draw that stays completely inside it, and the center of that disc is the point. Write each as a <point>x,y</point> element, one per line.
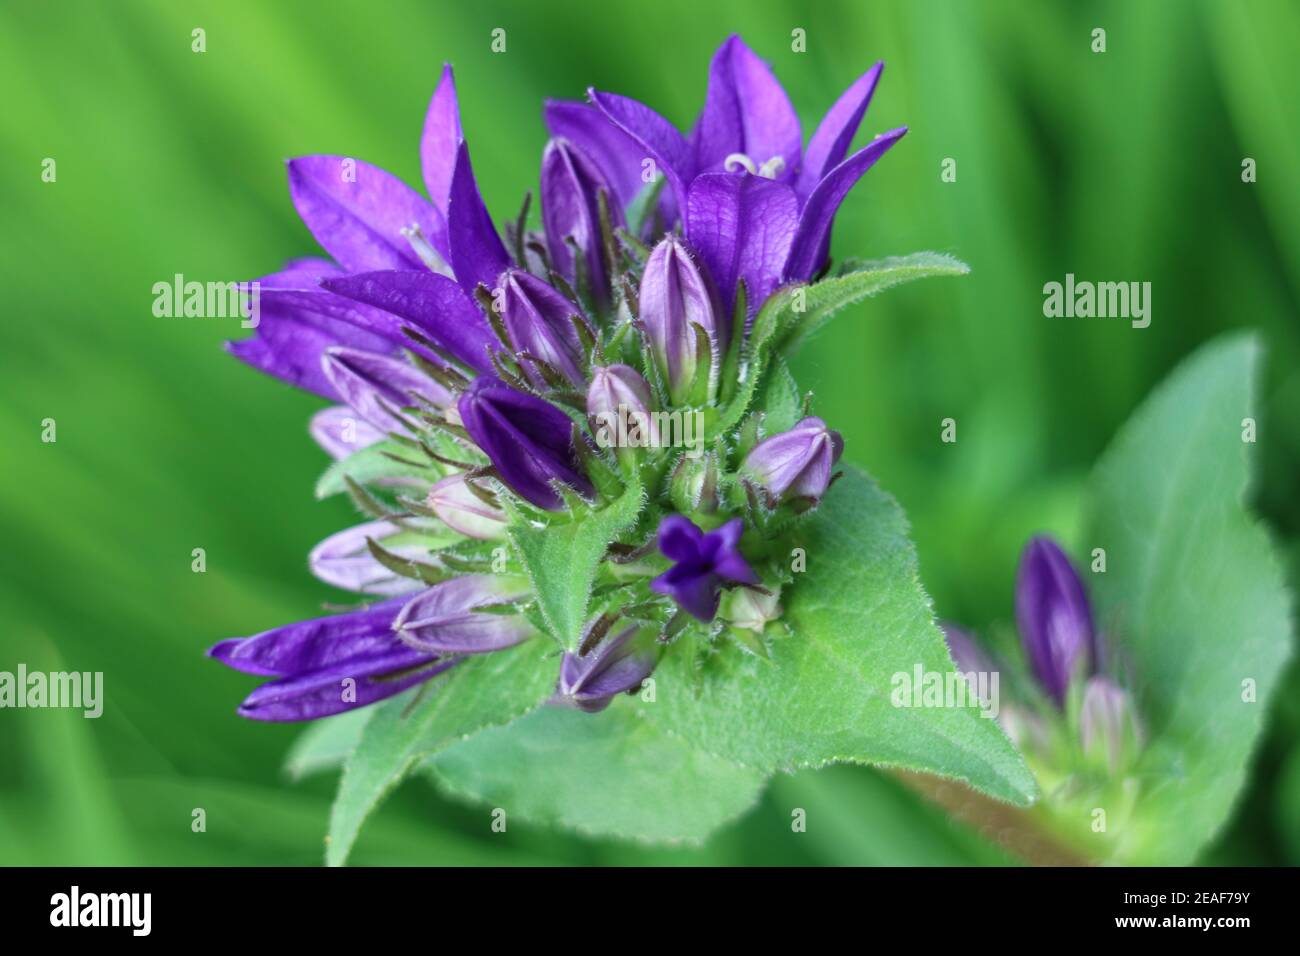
<point>340,431</point>
<point>812,241</point>
<point>617,154</point>
<point>347,687</point>
<point>616,665</point>
<point>1054,618</point>
<point>745,111</point>
<point>432,303</point>
<point>679,538</point>
<point>477,255</point>
<point>440,140</point>
<point>357,212</point>
<point>742,226</point>
<point>290,342</point>
<point>830,143</point>
<point>314,645</point>
<point>657,137</point>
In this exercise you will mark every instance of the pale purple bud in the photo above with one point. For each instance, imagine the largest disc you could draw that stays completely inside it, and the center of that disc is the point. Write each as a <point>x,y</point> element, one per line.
<point>571,186</point>
<point>616,665</point>
<point>539,321</point>
<point>378,386</point>
<point>620,408</point>
<point>344,560</point>
<point>677,295</point>
<point>796,463</point>
<point>447,618</point>
<point>1109,729</point>
<point>462,510</point>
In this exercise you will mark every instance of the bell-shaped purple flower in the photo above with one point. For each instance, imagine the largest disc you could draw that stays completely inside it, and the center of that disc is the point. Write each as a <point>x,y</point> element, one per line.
<point>614,666</point>
<point>796,463</point>
<point>540,324</point>
<point>619,406</point>
<point>571,188</point>
<point>328,665</point>
<point>448,617</point>
<point>703,564</point>
<point>1054,618</point>
<point>462,510</point>
<point>676,297</point>
<point>529,441</point>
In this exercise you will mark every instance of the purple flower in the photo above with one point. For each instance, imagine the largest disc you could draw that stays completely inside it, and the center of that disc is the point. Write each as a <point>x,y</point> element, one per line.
<point>748,126</point>
<point>676,297</point>
<point>1054,618</point>
<point>328,665</point>
<point>703,563</point>
<point>571,186</point>
<point>448,617</point>
<point>614,666</point>
<point>529,441</point>
<point>540,324</point>
<point>796,463</point>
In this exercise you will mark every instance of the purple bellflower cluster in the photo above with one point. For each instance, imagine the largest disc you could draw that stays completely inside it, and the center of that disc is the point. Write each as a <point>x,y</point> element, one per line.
<point>1063,650</point>
<point>471,373</point>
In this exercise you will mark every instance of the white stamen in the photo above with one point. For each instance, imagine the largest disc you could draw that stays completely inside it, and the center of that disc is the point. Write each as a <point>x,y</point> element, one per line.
<point>769,170</point>
<point>428,255</point>
<point>738,161</point>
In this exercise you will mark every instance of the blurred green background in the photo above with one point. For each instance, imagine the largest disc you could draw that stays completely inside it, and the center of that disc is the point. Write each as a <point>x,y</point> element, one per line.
<point>1122,166</point>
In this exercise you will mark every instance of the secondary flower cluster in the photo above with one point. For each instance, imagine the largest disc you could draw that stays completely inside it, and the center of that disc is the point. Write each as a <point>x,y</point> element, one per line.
<point>469,373</point>
<point>1064,653</point>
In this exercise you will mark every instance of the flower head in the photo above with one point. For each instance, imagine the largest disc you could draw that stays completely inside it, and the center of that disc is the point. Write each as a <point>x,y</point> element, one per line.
<point>470,377</point>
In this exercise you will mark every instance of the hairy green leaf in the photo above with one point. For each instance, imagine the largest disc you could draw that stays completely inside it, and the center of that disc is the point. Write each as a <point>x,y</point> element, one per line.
<point>854,619</point>
<point>562,557</point>
<point>605,774</point>
<point>1192,600</point>
<point>481,691</point>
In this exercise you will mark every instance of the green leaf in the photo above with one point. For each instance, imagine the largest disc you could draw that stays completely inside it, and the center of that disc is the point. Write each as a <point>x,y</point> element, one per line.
<point>371,464</point>
<point>481,691</point>
<point>1193,600</point>
<point>782,400</point>
<point>855,618</point>
<point>857,280</point>
<point>562,557</point>
<point>605,774</point>
<point>326,743</point>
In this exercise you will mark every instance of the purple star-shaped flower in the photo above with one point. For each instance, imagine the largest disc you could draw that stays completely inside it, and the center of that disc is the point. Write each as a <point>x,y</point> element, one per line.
<point>704,563</point>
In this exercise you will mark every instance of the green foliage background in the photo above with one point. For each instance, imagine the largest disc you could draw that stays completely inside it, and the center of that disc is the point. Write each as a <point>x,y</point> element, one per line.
<point>1123,165</point>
